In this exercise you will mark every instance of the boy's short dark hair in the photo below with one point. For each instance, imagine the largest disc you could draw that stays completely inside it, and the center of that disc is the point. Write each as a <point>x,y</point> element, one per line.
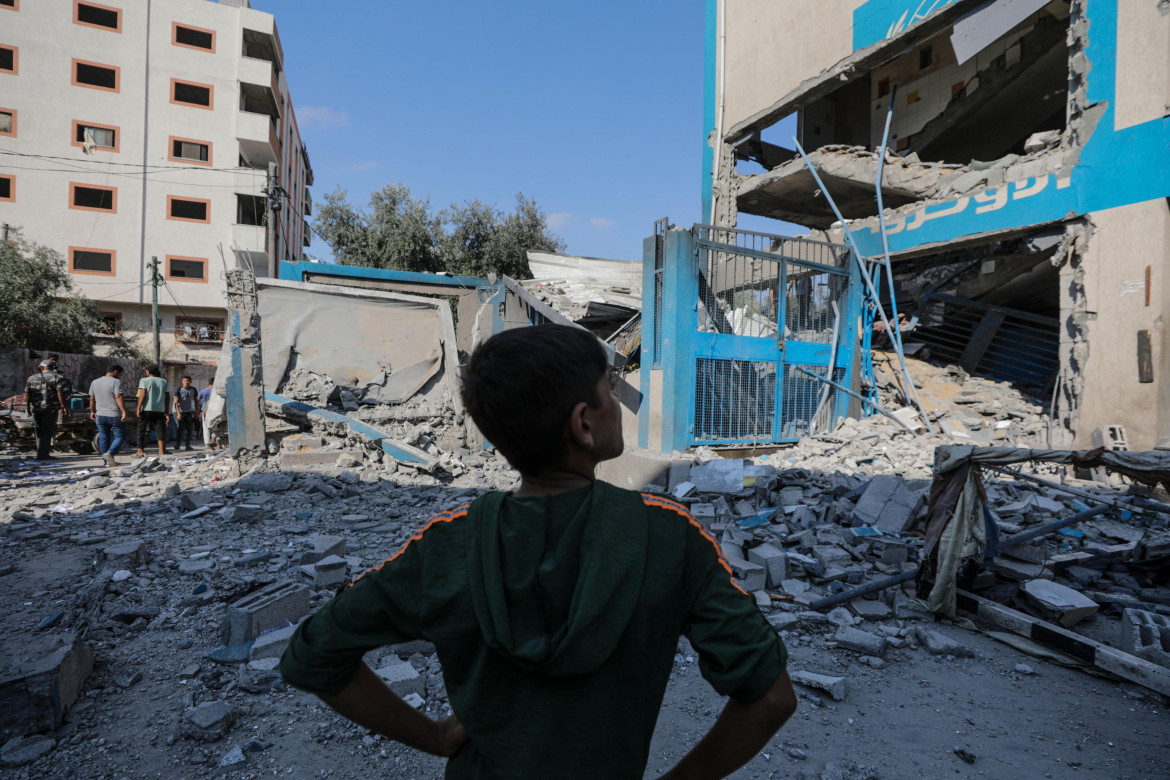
<point>521,385</point>
<point>151,369</point>
<point>185,376</point>
<point>113,369</point>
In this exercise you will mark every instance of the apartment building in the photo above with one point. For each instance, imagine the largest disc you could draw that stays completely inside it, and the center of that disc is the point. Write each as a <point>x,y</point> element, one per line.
<point>1024,190</point>
<point>141,129</point>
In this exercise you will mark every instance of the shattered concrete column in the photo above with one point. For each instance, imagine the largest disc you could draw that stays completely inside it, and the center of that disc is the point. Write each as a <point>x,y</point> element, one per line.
<point>1074,336</point>
<point>725,187</point>
<point>244,386</point>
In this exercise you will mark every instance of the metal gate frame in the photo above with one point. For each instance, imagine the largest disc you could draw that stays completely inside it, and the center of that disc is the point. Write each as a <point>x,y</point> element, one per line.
<point>732,314</point>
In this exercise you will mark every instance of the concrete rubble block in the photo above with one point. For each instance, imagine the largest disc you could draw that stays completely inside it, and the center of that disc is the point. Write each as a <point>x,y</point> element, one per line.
<point>19,751</point>
<point>271,643</point>
<point>303,442</point>
<point>679,473</point>
<point>794,587</point>
<point>322,547</point>
<point>198,498</point>
<point>41,682</point>
<point>328,572</point>
<point>718,476</point>
<point>888,504</point>
<point>774,561</point>
<point>1146,635</point>
<point>1018,571</point>
<point>263,609</point>
<point>805,517</point>
<point>859,536</point>
<point>1067,606</point>
<point>860,641</point>
<point>208,722</point>
<point>309,460</point>
<point>243,513</point>
<point>939,644</point>
<point>752,575</point>
<point>267,483</point>
<point>704,513</point>
<point>634,469</point>
<point>127,555</point>
<point>831,555</point>
<point>890,551</point>
<point>870,609</point>
<point>763,600</point>
<point>793,495</point>
<point>836,687</point>
<point>402,678</point>
<point>233,759</point>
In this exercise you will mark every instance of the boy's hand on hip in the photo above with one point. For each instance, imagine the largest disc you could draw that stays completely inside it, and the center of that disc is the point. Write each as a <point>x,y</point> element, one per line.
<point>450,736</point>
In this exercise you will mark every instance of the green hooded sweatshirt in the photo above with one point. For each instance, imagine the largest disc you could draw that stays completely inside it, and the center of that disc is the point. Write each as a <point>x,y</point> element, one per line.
<point>556,620</point>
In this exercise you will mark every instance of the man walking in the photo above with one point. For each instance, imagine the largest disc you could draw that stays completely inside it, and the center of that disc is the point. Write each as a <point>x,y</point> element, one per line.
<point>108,409</point>
<point>187,409</point>
<point>44,400</point>
<point>154,398</point>
<point>204,400</point>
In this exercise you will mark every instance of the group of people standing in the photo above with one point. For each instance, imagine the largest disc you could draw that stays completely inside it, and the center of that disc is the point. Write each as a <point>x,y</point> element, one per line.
<point>47,398</point>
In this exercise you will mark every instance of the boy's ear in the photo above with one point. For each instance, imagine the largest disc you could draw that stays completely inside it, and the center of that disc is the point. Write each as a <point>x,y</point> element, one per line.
<point>581,426</point>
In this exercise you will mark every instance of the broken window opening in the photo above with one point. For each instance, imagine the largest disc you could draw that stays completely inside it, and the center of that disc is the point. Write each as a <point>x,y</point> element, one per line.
<point>7,122</point>
<point>250,210</point>
<point>258,99</point>
<point>197,331</point>
<point>109,326</point>
<point>100,136</point>
<point>260,46</point>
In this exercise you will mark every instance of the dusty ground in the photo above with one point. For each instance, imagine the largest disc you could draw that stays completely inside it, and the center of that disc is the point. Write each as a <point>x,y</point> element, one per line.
<point>905,720</point>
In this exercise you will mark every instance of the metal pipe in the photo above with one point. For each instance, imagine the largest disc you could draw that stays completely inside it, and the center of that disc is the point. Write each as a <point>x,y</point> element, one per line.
<point>910,393</point>
<point>844,389</point>
<point>1053,527</point>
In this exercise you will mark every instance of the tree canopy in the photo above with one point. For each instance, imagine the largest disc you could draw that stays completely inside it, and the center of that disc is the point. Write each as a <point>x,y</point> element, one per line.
<point>402,232</point>
<point>40,311</point>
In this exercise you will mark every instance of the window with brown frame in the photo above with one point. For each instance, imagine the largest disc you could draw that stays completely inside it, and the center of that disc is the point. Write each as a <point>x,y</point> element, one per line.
<point>187,269</point>
<point>191,94</point>
<point>102,136</point>
<point>188,209</point>
<point>92,74</point>
<point>193,37</point>
<point>8,58</point>
<point>94,15</point>
<point>8,122</point>
<point>7,188</point>
<point>109,325</point>
<point>190,150</point>
<point>83,260</point>
<point>93,198</point>
<point>13,4</point>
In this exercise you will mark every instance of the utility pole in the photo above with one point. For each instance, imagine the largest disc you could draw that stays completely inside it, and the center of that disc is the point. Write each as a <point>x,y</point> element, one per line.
<point>155,321</point>
<point>5,232</point>
<point>271,207</point>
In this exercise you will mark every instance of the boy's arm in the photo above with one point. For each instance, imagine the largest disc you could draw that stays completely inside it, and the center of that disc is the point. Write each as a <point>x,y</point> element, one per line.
<point>368,702</point>
<point>740,732</point>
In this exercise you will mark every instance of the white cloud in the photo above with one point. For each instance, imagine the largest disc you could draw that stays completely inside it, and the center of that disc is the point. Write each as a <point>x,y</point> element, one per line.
<point>361,166</point>
<point>559,220</point>
<point>322,116</point>
<point>602,222</point>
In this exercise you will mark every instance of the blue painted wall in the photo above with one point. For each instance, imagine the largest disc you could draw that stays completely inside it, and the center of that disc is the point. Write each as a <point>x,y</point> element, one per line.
<point>709,90</point>
<point>295,272</point>
<point>1116,168</point>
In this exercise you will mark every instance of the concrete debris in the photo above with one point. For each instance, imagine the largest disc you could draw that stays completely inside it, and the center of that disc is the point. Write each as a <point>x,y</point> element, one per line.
<point>19,751</point>
<point>1064,604</point>
<point>834,686</point>
<point>208,722</point>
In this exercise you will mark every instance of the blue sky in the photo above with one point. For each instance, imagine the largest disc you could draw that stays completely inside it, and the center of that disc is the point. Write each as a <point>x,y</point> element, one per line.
<point>593,109</point>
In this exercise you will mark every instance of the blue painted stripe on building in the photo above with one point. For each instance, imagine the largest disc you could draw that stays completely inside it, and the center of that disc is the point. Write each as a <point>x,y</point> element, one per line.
<point>295,272</point>
<point>234,389</point>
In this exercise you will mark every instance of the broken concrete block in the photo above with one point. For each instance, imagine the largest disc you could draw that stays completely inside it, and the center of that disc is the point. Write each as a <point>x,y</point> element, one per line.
<point>938,644</point>
<point>36,694</point>
<point>243,513</point>
<point>302,442</point>
<point>25,750</point>
<point>403,679</point>
<point>327,572</point>
<point>860,641</point>
<point>887,504</point>
<point>323,547</point>
<point>679,473</point>
<point>834,686</point>
<point>794,587</point>
<point>267,483</point>
<point>1018,571</point>
<point>1146,635</point>
<point>1061,602</point>
<point>870,609</point>
<point>763,600</point>
<point>127,555</point>
<point>890,551</point>
<point>752,575</point>
<point>718,476</point>
<point>208,722</point>
<point>704,513</point>
<point>263,609</point>
<point>774,561</point>
<point>197,498</point>
<point>831,555</point>
<point>271,644</point>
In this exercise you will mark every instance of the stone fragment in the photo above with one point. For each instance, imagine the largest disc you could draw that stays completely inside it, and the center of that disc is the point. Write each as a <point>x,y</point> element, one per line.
<point>35,695</point>
<point>402,678</point>
<point>197,498</point>
<point>774,561</point>
<point>127,555</point>
<point>834,686</point>
<point>323,547</point>
<point>752,575</point>
<point>267,483</point>
<point>208,722</point>
<point>327,572</point>
<point>794,587</point>
<point>887,504</point>
<point>271,644</point>
<point>1067,606</point>
<point>309,460</point>
<point>243,513</point>
<point>19,751</point>
<point>938,644</point>
<point>1146,635</point>
<point>722,475</point>
<point>233,759</point>
<point>870,609</point>
<point>860,641</point>
<point>269,607</point>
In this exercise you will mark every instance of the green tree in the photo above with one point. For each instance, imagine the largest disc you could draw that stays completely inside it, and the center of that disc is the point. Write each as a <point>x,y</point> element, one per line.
<point>402,232</point>
<point>40,311</point>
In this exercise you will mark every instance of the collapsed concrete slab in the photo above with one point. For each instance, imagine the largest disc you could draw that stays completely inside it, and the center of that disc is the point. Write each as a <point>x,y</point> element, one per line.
<point>40,679</point>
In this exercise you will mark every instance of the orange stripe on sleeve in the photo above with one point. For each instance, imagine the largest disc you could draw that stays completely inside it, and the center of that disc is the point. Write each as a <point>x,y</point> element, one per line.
<point>673,506</point>
<point>442,517</point>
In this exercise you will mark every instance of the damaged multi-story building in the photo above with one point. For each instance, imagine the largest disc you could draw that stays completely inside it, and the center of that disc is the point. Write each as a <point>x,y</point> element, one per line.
<point>1025,182</point>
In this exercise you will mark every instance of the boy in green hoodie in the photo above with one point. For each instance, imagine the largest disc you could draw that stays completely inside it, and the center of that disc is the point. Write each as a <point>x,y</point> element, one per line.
<point>555,609</point>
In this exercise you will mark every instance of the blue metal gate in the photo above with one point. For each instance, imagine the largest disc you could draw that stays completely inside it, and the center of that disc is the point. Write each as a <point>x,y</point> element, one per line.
<point>737,319</point>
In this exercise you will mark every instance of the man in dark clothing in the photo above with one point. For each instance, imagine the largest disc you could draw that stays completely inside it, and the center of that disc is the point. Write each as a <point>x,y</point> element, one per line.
<point>44,399</point>
<point>555,609</point>
<point>187,408</point>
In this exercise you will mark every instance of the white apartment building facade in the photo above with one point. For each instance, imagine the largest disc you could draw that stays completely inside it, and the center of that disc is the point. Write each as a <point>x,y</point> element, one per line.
<point>139,129</point>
